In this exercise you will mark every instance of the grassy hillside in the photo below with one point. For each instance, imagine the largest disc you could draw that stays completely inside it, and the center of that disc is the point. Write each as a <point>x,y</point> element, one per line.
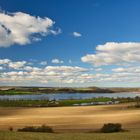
<point>33,90</point>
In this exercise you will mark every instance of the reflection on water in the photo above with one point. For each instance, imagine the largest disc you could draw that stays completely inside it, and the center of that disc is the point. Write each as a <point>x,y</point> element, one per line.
<point>64,96</point>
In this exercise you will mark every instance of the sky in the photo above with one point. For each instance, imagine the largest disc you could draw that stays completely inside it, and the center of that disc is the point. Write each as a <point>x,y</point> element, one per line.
<point>70,43</point>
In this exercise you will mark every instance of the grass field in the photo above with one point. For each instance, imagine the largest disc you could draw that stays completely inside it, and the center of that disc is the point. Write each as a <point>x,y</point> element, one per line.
<point>62,103</point>
<point>70,123</point>
<point>135,135</point>
<point>46,103</point>
<point>70,119</point>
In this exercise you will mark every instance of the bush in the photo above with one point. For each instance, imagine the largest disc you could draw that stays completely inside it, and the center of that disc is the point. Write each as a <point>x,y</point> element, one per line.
<point>11,129</point>
<point>137,106</point>
<point>27,129</point>
<point>111,127</point>
<point>42,128</point>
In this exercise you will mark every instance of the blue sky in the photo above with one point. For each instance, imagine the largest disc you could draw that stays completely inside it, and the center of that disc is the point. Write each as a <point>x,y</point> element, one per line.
<point>85,43</point>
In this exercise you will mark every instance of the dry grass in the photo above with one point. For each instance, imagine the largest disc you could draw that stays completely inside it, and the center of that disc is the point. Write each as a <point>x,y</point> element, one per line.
<point>135,135</point>
<point>73,119</point>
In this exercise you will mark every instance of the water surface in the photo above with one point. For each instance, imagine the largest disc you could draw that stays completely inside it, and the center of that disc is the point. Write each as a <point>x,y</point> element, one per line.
<point>66,96</point>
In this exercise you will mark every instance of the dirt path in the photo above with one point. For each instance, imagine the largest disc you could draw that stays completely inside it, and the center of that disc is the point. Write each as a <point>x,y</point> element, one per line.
<point>70,118</point>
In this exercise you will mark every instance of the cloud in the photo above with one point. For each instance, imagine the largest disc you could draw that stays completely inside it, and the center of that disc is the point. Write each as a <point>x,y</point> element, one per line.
<point>98,69</point>
<point>43,63</point>
<point>4,61</point>
<point>119,70</point>
<point>56,32</point>
<point>17,65</point>
<point>67,69</point>
<point>1,68</point>
<point>21,28</point>
<point>132,69</point>
<point>57,61</point>
<point>21,73</point>
<point>76,34</point>
<point>112,53</point>
<point>14,65</point>
<point>70,61</point>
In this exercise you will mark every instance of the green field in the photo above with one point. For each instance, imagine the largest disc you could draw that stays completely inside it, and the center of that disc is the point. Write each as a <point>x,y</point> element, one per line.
<point>135,135</point>
<point>46,103</point>
<point>46,90</point>
<point>53,103</point>
<point>13,92</point>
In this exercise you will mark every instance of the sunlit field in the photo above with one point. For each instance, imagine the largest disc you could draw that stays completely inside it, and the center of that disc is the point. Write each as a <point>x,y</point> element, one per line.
<point>134,135</point>
<point>70,119</point>
<point>71,123</point>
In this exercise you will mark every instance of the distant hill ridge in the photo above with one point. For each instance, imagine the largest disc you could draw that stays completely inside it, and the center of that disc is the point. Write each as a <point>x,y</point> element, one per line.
<point>68,89</point>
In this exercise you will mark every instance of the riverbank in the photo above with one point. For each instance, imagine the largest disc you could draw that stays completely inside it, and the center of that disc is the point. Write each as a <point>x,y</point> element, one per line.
<point>71,102</point>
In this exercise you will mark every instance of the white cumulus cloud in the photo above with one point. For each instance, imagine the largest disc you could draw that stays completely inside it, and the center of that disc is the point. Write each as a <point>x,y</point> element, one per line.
<point>112,53</point>
<point>57,61</point>
<point>22,73</point>
<point>43,63</point>
<point>76,34</point>
<point>21,28</point>
<point>17,65</point>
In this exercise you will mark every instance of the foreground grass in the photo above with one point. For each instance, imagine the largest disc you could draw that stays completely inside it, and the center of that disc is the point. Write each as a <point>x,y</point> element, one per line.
<point>66,118</point>
<point>135,135</point>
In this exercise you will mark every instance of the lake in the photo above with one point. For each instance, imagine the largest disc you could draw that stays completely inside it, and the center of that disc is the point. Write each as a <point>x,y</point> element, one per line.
<point>65,96</point>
